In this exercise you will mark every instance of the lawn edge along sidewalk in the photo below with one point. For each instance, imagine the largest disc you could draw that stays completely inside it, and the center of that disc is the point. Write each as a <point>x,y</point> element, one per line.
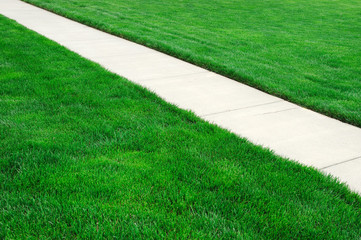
<point>289,130</point>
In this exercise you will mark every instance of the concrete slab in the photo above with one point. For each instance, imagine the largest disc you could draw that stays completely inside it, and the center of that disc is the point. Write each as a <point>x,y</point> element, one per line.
<point>287,129</point>
<point>53,26</point>
<point>16,5</point>
<point>294,132</point>
<point>142,67</point>
<point>207,93</point>
<point>64,33</point>
<point>348,172</point>
<point>101,48</point>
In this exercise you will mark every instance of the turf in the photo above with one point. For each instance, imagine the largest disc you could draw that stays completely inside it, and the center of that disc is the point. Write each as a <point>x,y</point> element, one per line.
<point>305,51</point>
<point>87,154</point>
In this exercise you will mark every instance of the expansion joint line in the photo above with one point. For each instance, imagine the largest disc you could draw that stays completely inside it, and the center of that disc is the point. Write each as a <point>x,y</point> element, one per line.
<point>349,160</point>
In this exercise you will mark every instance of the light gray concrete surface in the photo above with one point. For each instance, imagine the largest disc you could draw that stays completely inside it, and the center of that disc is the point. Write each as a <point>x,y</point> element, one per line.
<point>289,130</point>
<point>349,170</point>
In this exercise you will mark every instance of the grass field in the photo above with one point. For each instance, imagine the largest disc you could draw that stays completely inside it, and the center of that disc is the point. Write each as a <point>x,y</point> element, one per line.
<point>306,51</point>
<point>87,154</point>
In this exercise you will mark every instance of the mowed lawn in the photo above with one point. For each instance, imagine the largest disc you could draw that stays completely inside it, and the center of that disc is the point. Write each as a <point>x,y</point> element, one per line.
<point>306,51</point>
<point>87,154</point>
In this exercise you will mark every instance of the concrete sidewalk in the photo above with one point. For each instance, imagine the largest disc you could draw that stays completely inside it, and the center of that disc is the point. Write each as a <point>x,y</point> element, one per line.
<point>289,130</point>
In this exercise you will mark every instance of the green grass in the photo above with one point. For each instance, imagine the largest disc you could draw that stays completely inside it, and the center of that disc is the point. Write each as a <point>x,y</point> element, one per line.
<point>87,154</point>
<point>305,51</point>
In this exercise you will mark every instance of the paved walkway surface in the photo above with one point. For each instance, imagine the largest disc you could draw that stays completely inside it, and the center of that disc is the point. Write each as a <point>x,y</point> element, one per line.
<point>289,130</point>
